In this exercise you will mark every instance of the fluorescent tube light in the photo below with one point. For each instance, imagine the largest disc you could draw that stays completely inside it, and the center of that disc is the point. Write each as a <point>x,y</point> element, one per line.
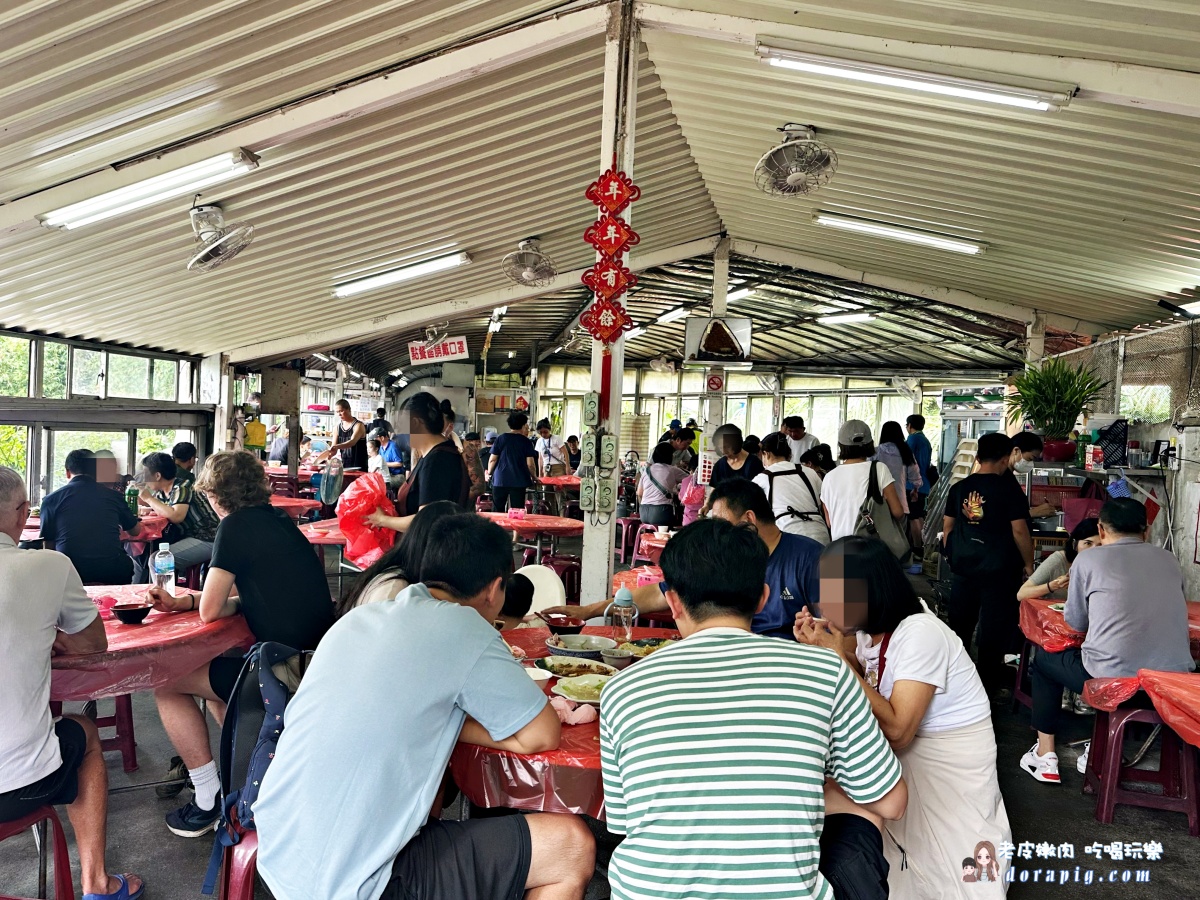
<point>737,295</point>
<point>674,315</point>
<point>559,348</point>
<point>512,354</point>
<point>1189,311</point>
<point>499,311</point>
<point>396,372</point>
<point>899,233</point>
<point>845,318</point>
<point>322,357</point>
<point>402,383</point>
<point>404,273</point>
<point>169,185</point>
<point>494,327</point>
<point>634,333</point>
<point>914,80</point>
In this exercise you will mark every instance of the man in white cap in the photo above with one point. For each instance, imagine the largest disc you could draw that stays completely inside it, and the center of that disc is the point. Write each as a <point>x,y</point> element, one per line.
<point>845,488</point>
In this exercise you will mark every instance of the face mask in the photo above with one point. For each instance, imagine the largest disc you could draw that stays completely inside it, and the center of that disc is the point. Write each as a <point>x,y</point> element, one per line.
<point>1023,466</point>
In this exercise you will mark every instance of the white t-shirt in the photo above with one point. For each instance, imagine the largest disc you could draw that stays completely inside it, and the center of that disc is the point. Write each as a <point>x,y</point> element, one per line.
<point>376,463</point>
<point>924,649</point>
<point>843,493</point>
<point>802,446</point>
<point>791,492</point>
<point>551,451</point>
<point>40,594</point>
<point>668,476</point>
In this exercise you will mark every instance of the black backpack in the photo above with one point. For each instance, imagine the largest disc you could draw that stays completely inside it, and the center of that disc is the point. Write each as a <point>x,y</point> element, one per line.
<point>972,549</point>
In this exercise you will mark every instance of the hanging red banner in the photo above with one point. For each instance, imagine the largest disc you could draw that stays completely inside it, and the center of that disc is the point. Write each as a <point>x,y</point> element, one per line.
<point>611,236</point>
<point>608,279</point>
<point>605,320</point>
<point>613,191</point>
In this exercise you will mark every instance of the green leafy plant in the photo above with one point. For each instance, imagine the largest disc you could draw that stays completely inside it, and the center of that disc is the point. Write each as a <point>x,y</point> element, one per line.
<point>1054,397</point>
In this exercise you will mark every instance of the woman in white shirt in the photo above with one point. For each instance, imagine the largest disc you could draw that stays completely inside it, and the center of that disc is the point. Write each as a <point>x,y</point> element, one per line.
<point>658,486</point>
<point>793,490</point>
<point>845,488</point>
<point>931,706</point>
<point>551,451</point>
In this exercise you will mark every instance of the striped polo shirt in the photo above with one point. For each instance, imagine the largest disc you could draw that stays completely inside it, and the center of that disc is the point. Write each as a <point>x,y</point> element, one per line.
<point>715,752</point>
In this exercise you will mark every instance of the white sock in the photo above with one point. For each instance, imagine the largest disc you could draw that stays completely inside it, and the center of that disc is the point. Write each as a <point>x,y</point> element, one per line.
<point>207,784</point>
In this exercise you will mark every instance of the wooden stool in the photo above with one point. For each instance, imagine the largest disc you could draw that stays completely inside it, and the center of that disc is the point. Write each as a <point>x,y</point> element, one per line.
<point>1176,774</point>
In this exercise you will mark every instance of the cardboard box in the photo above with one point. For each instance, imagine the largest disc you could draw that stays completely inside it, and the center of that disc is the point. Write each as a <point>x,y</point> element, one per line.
<point>485,404</point>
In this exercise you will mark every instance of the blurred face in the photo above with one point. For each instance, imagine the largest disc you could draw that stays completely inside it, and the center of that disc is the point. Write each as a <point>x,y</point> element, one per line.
<point>344,413</point>
<point>843,600</point>
<point>727,446</point>
<point>794,433</point>
<point>1087,544</point>
<point>106,470</point>
<point>678,443</point>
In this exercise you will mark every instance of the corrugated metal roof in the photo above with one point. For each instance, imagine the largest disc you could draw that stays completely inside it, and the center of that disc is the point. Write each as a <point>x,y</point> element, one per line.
<point>1089,212</point>
<point>92,82</point>
<point>476,167</point>
<point>1163,33</point>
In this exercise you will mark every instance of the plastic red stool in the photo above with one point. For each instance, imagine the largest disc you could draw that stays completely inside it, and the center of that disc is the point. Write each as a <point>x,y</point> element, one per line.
<point>662,619</point>
<point>625,524</point>
<point>567,568</point>
<point>239,868</point>
<point>121,721</point>
<point>1106,770</point>
<point>1020,696</point>
<point>529,556</point>
<point>572,510</point>
<point>637,545</point>
<point>483,504</point>
<point>64,887</point>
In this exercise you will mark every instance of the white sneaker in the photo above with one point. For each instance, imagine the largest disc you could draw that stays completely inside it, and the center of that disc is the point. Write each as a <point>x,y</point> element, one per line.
<point>1081,763</point>
<point>1043,768</point>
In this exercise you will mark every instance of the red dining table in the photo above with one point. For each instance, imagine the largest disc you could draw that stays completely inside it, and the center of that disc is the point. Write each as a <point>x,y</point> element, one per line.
<point>1048,628</point>
<point>538,528</point>
<point>566,780</point>
<point>153,526</point>
<point>295,507</point>
<point>652,546</point>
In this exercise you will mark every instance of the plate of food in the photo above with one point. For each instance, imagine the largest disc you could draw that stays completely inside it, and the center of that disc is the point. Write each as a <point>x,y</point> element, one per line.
<point>572,666</point>
<point>645,646</point>
<point>587,646</point>
<point>583,689</point>
<point>1058,607</point>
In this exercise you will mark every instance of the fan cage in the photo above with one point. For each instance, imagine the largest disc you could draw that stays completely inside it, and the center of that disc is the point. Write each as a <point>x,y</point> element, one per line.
<point>795,168</point>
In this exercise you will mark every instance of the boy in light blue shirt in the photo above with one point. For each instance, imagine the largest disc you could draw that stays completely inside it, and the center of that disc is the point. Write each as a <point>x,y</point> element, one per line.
<point>343,812</point>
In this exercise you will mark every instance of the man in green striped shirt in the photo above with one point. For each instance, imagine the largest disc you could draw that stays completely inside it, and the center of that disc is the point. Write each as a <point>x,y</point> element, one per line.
<point>716,750</point>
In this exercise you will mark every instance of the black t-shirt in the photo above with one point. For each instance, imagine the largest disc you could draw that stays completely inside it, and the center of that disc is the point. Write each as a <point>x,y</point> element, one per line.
<point>441,474</point>
<point>988,504</point>
<point>85,520</point>
<point>280,581</point>
<point>722,471</point>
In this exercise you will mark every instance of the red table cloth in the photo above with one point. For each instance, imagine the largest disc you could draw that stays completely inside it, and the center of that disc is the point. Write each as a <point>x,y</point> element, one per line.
<point>1175,695</point>
<point>326,533</point>
<point>305,473</point>
<point>146,656</point>
<point>1050,631</point>
<point>629,578</point>
<point>566,780</point>
<point>153,526</point>
<point>561,481</point>
<point>652,546</point>
<point>533,525</point>
<point>294,506</point>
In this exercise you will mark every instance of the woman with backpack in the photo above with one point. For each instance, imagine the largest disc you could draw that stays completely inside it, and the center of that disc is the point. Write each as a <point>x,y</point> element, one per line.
<point>658,487</point>
<point>845,490</point>
<point>793,490</point>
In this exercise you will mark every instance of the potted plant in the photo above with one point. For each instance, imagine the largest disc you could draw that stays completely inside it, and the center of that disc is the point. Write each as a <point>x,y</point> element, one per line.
<point>1053,398</point>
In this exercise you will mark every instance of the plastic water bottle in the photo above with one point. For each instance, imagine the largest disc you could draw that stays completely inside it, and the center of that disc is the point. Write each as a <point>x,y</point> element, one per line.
<point>163,565</point>
<point>131,498</point>
<point>622,613</point>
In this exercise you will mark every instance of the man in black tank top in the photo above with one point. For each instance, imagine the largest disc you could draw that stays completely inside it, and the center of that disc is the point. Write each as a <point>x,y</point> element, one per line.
<point>351,439</point>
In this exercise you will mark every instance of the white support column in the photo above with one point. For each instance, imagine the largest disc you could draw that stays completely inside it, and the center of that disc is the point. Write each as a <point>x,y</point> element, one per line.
<point>714,408</point>
<point>617,137</point>
<point>1035,341</point>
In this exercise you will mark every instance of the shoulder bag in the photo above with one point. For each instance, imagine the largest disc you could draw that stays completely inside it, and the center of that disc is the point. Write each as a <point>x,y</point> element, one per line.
<point>875,519</point>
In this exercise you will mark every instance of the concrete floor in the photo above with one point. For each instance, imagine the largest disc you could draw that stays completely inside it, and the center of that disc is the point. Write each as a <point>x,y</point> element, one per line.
<point>174,867</point>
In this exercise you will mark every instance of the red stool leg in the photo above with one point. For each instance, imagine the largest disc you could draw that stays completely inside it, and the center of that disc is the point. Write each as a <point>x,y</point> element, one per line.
<point>241,864</point>
<point>1190,791</point>
<point>123,741</point>
<point>64,886</point>
<point>1110,771</point>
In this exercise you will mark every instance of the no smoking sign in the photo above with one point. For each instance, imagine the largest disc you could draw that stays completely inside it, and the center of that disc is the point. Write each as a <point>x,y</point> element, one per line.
<point>716,383</point>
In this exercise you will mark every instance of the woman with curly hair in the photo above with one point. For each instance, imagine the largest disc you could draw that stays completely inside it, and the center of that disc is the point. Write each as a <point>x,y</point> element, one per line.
<point>263,568</point>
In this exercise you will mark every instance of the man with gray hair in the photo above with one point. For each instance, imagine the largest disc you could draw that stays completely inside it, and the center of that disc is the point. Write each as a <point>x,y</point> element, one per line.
<point>45,611</point>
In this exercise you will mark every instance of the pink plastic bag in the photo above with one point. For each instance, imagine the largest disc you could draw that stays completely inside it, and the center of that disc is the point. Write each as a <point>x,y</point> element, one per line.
<point>365,544</point>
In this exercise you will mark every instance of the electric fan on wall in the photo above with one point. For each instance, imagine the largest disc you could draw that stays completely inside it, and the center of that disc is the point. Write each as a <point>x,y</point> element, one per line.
<point>798,166</point>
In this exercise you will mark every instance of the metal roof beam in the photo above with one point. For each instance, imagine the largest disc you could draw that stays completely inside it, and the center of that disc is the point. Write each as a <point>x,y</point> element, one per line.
<point>352,332</point>
<point>949,296</point>
<point>1103,81</point>
<point>277,127</point>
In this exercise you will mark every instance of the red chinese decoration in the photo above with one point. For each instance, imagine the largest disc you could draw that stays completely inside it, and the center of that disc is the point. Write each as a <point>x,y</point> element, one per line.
<point>609,278</point>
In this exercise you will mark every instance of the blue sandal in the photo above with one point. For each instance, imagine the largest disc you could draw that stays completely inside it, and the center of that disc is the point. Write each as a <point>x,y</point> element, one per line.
<point>121,893</point>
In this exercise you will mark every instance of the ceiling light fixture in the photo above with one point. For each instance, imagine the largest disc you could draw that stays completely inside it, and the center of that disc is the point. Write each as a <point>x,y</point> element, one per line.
<point>674,315</point>
<point>740,294</point>
<point>915,80</point>
<point>499,311</point>
<point>845,318</point>
<point>634,333</point>
<point>404,273</point>
<point>559,348</point>
<point>395,372</point>
<point>899,233</point>
<point>178,183</point>
<point>1190,311</point>
<point>322,357</point>
<point>512,354</point>
<point>494,327</point>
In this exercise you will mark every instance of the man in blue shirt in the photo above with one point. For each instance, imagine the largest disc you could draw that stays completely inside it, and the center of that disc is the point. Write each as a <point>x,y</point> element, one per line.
<point>345,808</point>
<point>923,451</point>
<point>83,520</point>
<point>390,454</point>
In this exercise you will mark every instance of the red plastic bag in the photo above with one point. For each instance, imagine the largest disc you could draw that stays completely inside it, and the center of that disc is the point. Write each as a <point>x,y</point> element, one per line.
<point>365,544</point>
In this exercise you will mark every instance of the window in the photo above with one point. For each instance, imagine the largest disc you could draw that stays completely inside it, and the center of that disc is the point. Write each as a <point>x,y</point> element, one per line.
<point>798,406</point>
<point>655,383</point>
<point>693,381</point>
<point>809,383</point>
<point>157,440</point>
<point>896,409</point>
<point>735,413</point>
<point>579,379</point>
<point>54,370</point>
<point>165,374</point>
<point>14,366</point>
<point>14,447</point>
<point>62,442</point>
<point>864,408</point>
<point>689,408</point>
<point>87,373</point>
<point>826,417</point>
<point>128,376</point>
<point>931,409</point>
<point>761,421</point>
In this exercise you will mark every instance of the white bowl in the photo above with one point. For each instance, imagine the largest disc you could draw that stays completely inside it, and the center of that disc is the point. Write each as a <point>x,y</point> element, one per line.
<point>538,675</point>
<point>587,646</point>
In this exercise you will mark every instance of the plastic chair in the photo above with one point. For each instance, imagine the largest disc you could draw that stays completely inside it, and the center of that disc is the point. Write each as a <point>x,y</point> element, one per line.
<point>64,887</point>
<point>637,545</point>
<point>548,589</point>
<point>624,526</point>
<point>122,721</point>
<point>1106,769</point>
<point>570,570</point>
<point>483,503</point>
<point>239,868</point>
